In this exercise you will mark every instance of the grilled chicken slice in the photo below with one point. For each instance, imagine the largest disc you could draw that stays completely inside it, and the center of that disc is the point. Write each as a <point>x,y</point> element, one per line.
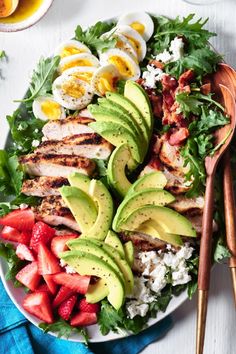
<point>59,129</point>
<point>196,221</point>
<point>170,157</point>
<point>183,204</point>
<point>142,241</point>
<point>43,186</point>
<point>91,146</point>
<point>53,211</point>
<point>56,165</point>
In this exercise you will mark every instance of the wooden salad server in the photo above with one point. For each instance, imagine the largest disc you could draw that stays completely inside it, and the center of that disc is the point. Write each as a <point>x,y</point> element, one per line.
<point>227,76</point>
<point>224,135</point>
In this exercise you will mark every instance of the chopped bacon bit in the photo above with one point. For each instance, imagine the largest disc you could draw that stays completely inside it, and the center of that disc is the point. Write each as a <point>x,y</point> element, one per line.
<point>156,144</point>
<point>155,163</point>
<point>169,83</point>
<point>206,88</point>
<point>140,81</point>
<point>178,136</point>
<point>186,78</point>
<point>158,64</point>
<point>156,101</point>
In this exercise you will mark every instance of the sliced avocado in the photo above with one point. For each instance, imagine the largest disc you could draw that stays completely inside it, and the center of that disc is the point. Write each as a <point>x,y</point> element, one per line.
<point>116,170</point>
<point>129,252</point>
<point>132,110</point>
<point>97,292</point>
<point>118,135</point>
<point>113,240</point>
<point>79,180</point>
<point>81,206</point>
<point>151,180</point>
<point>102,198</point>
<point>149,196</point>
<point>137,95</point>
<point>171,221</point>
<point>88,264</point>
<point>86,245</point>
<point>153,229</point>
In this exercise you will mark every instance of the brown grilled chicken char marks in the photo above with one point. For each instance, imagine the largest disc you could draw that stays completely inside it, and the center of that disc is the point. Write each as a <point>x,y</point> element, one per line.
<point>43,186</point>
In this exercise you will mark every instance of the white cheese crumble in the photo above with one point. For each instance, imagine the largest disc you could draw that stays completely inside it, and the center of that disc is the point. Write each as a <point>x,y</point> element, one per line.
<point>175,52</point>
<point>134,308</point>
<point>35,143</point>
<point>152,75</point>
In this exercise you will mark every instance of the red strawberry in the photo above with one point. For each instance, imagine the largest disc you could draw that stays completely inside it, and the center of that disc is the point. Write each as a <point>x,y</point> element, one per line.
<point>22,220</point>
<point>29,276</point>
<point>58,244</point>
<point>52,286</point>
<point>84,319</point>
<point>66,308</point>
<point>47,262</point>
<point>63,294</point>
<point>11,234</point>
<point>75,282</point>
<point>42,287</point>
<point>23,252</point>
<point>85,306</point>
<point>41,233</point>
<point>38,304</point>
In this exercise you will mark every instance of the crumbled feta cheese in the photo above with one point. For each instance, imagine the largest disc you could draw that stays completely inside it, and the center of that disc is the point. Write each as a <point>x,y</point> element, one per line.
<point>152,75</point>
<point>70,270</point>
<point>35,143</point>
<point>140,291</point>
<point>165,57</point>
<point>62,263</point>
<point>23,206</point>
<point>158,278</point>
<point>177,48</point>
<point>134,308</point>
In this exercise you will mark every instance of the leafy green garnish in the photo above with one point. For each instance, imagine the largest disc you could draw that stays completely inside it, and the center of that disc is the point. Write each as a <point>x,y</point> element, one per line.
<point>11,176</point>
<point>2,54</point>
<point>8,252</point>
<point>64,329</point>
<point>42,78</point>
<point>92,36</point>
<point>109,319</point>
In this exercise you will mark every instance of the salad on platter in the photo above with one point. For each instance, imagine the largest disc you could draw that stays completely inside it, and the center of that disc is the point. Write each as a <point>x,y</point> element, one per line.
<point>102,180</point>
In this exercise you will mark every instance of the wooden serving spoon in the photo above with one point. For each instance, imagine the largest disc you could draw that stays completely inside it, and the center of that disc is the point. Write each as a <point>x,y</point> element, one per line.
<point>211,162</point>
<point>7,7</point>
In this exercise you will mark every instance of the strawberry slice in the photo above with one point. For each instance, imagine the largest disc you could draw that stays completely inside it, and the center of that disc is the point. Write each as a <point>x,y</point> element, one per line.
<point>66,308</point>
<point>58,243</point>
<point>22,220</point>
<point>85,306</point>
<point>52,286</point>
<point>76,282</point>
<point>84,319</point>
<point>10,234</point>
<point>24,253</point>
<point>47,262</point>
<point>41,233</point>
<point>38,304</point>
<point>29,276</point>
<point>42,287</point>
<point>63,294</point>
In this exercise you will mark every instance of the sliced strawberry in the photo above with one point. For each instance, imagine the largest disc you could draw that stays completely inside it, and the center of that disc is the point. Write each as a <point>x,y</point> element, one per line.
<point>84,319</point>
<point>58,243</point>
<point>52,286</point>
<point>42,287</point>
<point>24,253</point>
<point>10,234</point>
<point>29,276</point>
<point>63,294</point>
<point>66,308</point>
<point>38,304</point>
<point>41,233</point>
<point>85,306</point>
<point>76,282</point>
<point>47,262</point>
<point>22,220</point>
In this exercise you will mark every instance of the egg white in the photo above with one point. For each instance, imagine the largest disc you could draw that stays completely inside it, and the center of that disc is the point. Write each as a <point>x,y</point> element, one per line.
<point>141,18</point>
<point>134,37</point>
<point>109,69</point>
<point>37,108</point>
<point>71,47</point>
<point>83,59</point>
<point>78,72</point>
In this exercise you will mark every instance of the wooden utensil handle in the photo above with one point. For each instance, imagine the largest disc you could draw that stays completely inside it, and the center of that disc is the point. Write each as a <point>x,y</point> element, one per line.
<point>229,202</point>
<point>206,238</point>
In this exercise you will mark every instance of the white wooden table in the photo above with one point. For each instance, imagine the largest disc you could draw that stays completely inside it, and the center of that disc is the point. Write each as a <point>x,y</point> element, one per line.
<point>25,48</point>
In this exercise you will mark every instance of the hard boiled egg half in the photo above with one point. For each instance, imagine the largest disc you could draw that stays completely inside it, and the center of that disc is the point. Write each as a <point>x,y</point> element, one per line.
<point>71,47</point>
<point>135,39</point>
<point>84,73</point>
<point>126,65</point>
<point>83,59</point>
<point>105,79</point>
<point>72,93</point>
<point>140,22</point>
<point>47,108</point>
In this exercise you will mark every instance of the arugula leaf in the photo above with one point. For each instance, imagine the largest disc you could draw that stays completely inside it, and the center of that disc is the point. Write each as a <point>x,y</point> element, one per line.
<point>11,176</point>
<point>188,104</point>
<point>92,36</point>
<point>8,252</point>
<point>5,209</point>
<point>64,329</point>
<point>192,288</point>
<point>161,302</point>
<point>221,251</point>
<point>109,319</point>
<point>42,78</point>
<point>24,131</point>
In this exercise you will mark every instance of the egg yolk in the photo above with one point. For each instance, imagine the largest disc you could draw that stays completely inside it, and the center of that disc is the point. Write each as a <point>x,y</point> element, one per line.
<point>139,27</point>
<point>106,83</point>
<point>51,109</point>
<point>5,7</point>
<point>85,76</point>
<point>78,62</point>
<point>135,44</point>
<point>67,51</point>
<point>122,66</point>
<point>73,89</point>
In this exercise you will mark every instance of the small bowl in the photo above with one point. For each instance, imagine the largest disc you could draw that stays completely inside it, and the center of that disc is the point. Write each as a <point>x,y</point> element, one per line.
<point>29,21</point>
